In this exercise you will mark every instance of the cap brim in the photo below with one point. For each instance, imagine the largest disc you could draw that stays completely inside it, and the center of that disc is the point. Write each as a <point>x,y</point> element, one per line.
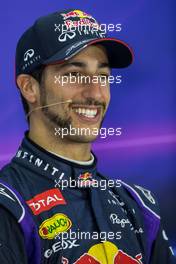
<point>120,55</point>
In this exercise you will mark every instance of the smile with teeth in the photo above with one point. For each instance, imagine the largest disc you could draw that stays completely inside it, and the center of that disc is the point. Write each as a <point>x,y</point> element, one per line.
<point>90,113</point>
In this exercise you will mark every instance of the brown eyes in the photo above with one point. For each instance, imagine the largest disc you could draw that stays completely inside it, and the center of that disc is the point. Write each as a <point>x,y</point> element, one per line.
<point>77,74</point>
<point>72,73</point>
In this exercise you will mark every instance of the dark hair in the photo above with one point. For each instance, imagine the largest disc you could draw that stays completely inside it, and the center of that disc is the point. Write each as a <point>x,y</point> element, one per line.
<point>37,74</point>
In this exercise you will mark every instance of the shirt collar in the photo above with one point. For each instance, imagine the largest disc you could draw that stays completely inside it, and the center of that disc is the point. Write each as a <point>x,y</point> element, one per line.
<point>36,159</point>
<point>89,162</point>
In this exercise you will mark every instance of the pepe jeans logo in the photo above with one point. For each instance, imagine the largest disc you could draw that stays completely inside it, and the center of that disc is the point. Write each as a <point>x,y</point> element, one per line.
<point>51,227</point>
<point>28,54</point>
<point>116,220</point>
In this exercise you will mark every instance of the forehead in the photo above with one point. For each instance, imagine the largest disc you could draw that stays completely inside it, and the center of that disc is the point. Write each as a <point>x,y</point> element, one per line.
<point>93,56</point>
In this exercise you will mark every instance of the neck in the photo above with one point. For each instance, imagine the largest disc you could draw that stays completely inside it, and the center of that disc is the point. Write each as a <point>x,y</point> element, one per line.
<point>47,139</point>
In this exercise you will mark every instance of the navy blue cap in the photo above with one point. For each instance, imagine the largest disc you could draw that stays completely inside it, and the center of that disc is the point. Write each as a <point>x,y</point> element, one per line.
<point>61,35</point>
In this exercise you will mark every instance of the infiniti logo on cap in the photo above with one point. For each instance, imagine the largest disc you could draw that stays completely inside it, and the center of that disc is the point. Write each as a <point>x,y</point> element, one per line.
<point>28,54</point>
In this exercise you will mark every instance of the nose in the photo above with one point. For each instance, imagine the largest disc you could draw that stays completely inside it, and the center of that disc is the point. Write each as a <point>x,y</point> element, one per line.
<point>94,90</point>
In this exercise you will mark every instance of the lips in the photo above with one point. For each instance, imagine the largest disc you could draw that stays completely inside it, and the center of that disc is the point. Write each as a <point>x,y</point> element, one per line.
<point>87,114</point>
<point>90,113</point>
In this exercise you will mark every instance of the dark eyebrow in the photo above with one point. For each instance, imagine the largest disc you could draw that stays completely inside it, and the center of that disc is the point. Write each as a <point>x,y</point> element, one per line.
<point>82,65</point>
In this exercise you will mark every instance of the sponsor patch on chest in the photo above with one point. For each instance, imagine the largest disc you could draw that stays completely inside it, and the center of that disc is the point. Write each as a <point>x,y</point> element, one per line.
<point>45,201</point>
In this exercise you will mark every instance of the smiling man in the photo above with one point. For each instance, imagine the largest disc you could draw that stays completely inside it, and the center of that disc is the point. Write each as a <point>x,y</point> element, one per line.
<point>87,106</point>
<point>44,217</point>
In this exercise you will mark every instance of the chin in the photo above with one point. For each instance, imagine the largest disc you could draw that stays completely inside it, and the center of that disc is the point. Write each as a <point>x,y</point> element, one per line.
<point>81,139</point>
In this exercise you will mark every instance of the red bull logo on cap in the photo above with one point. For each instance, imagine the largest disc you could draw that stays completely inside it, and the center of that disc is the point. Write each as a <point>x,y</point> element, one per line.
<point>107,252</point>
<point>76,13</point>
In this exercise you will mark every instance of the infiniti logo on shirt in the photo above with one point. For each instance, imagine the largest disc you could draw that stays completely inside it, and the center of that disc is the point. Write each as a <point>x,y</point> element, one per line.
<point>38,163</point>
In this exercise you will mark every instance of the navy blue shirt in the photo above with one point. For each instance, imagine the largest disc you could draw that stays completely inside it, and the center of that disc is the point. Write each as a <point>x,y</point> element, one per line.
<point>91,220</point>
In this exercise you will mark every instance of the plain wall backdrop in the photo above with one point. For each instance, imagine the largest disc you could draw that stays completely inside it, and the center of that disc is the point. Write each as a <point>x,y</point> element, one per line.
<point>143,105</point>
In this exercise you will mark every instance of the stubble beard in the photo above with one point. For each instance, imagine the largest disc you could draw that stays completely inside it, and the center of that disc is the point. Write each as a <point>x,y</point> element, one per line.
<point>57,121</point>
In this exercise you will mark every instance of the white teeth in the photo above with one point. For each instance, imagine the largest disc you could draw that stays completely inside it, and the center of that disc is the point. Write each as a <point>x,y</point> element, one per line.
<point>86,112</point>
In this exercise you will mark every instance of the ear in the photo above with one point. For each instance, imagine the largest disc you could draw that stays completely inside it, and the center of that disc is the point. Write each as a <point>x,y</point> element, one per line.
<point>29,87</point>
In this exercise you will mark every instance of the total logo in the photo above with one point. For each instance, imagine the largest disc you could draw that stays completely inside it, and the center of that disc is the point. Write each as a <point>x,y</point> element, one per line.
<point>51,227</point>
<point>76,13</point>
<point>116,220</point>
<point>107,252</point>
<point>45,201</point>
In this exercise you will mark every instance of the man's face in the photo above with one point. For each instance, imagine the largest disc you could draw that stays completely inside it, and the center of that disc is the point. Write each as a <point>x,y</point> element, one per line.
<point>90,98</point>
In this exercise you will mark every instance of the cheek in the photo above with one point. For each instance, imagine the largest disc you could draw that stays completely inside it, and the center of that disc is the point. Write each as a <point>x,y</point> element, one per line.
<point>107,98</point>
<point>54,91</point>
<point>65,93</point>
<point>107,95</point>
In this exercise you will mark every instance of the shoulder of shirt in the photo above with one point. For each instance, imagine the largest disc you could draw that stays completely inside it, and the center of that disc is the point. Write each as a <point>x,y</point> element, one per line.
<point>5,172</point>
<point>12,173</point>
<point>9,195</point>
<point>143,197</point>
